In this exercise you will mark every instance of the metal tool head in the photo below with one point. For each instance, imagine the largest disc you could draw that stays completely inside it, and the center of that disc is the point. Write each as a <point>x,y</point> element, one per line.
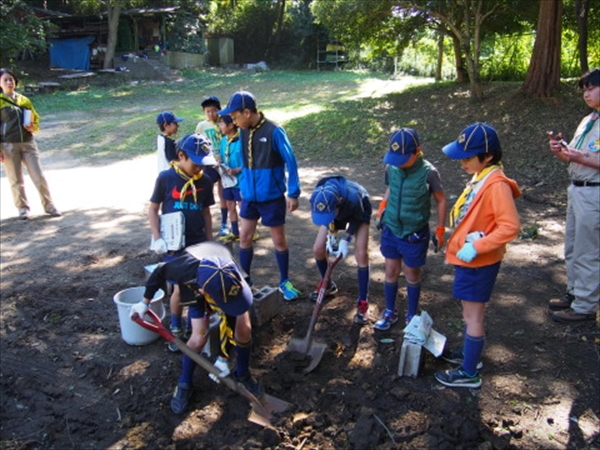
<point>314,350</point>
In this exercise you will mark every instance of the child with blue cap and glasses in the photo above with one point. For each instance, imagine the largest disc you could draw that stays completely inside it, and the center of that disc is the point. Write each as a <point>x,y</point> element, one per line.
<point>209,284</point>
<point>341,204</point>
<point>485,219</point>
<point>403,216</point>
<point>183,188</point>
<point>266,152</point>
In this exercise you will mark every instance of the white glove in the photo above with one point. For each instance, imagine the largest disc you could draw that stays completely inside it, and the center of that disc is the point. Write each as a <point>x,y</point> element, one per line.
<point>140,308</point>
<point>223,366</point>
<point>342,249</point>
<point>332,244</point>
<point>159,246</point>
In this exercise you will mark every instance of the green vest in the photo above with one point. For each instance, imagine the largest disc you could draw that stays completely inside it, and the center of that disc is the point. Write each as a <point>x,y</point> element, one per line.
<point>409,204</point>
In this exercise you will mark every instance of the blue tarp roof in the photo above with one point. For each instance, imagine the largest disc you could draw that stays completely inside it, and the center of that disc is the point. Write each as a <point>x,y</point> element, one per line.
<point>73,54</point>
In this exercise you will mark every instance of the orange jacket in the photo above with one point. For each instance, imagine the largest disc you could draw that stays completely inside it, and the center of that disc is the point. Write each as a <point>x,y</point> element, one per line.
<point>492,211</point>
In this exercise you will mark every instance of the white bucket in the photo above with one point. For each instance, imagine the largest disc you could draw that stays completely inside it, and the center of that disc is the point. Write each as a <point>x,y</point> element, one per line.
<point>132,333</point>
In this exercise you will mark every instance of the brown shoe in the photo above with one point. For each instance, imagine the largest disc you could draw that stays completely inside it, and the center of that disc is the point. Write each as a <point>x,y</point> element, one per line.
<point>570,316</point>
<point>557,304</point>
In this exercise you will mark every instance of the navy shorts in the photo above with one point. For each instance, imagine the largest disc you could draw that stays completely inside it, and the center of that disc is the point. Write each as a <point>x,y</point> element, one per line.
<point>366,217</point>
<point>232,194</point>
<point>212,173</point>
<point>272,212</point>
<point>412,250</point>
<point>474,284</point>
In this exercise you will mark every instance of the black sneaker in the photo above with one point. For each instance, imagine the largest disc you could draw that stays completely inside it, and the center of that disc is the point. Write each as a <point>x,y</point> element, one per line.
<point>457,378</point>
<point>329,292</point>
<point>181,397</point>
<point>457,357</point>
<point>251,385</point>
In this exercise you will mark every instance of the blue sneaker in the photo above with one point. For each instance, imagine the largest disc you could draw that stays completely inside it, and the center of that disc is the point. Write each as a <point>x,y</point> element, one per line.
<point>387,320</point>
<point>457,357</point>
<point>458,378</point>
<point>181,398</point>
<point>224,230</point>
<point>289,291</point>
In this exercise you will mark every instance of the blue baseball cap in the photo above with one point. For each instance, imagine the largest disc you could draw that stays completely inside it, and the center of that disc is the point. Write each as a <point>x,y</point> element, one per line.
<point>323,203</point>
<point>226,118</point>
<point>239,101</point>
<point>222,280</point>
<point>167,117</point>
<point>211,101</point>
<point>198,148</point>
<point>403,144</point>
<point>477,138</point>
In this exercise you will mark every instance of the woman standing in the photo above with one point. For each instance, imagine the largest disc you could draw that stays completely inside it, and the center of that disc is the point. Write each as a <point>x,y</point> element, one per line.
<point>18,122</point>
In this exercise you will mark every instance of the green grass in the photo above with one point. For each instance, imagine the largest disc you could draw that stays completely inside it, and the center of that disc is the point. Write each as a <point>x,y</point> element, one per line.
<point>327,115</point>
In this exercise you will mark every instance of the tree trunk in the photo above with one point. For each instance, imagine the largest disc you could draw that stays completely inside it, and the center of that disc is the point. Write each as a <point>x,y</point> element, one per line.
<point>459,62</point>
<point>440,57</point>
<point>543,76</point>
<point>114,11</point>
<point>582,9</point>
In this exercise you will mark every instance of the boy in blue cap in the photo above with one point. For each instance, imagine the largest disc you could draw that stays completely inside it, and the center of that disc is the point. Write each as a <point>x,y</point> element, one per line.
<point>485,219</point>
<point>168,123</point>
<point>404,216</point>
<point>266,152</point>
<point>209,285</point>
<point>337,203</point>
<point>183,188</point>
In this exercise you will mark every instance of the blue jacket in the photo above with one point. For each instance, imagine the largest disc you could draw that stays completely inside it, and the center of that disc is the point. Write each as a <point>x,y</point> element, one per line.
<point>263,173</point>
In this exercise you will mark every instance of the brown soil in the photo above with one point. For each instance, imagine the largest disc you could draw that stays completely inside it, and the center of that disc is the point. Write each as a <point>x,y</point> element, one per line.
<point>68,381</point>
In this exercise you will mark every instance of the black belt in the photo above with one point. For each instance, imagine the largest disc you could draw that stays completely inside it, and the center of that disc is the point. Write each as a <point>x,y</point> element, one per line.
<point>585,183</point>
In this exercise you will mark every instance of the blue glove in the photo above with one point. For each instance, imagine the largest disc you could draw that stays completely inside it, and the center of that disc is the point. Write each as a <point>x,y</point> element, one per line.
<point>467,253</point>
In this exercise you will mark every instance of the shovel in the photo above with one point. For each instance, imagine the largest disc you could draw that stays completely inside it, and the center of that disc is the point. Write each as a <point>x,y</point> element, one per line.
<point>307,346</point>
<point>263,407</point>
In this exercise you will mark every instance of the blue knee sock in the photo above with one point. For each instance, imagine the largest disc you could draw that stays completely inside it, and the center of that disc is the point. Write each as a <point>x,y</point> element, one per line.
<point>175,321</point>
<point>187,372</point>
<point>235,229</point>
<point>243,360</point>
<point>363,282</point>
<point>414,293</point>
<point>283,262</point>
<point>391,291</point>
<point>246,255</point>
<point>322,266</point>
<point>472,349</point>
<point>224,212</point>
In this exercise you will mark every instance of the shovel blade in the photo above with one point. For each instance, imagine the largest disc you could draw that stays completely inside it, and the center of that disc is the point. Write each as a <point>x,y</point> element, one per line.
<point>314,350</point>
<point>262,411</point>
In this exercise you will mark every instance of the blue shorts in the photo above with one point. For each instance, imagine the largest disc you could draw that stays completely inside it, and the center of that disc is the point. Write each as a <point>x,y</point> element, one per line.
<point>272,212</point>
<point>474,284</point>
<point>212,173</point>
<point>232,194</point>
<point>412,250</point>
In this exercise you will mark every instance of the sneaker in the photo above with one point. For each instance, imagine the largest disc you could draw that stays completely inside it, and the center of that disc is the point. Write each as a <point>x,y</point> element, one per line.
<point>181,398</point>
<point>224,230</point>
<point>289,291</point>
<point>570,316</point>
<point>230,237</point>
<point>23,214</point>
<point>362,306</point>
<point>557,304</point>
<point>178,333</point>
<point>251,385</point>
<point>457,357</point>
<point>331,290</point>
<point>388,318</point>
<point>54,213</point>
<point>457,378</point>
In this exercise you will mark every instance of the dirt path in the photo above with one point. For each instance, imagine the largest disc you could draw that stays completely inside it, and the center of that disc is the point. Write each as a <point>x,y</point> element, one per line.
<point>69,381</point>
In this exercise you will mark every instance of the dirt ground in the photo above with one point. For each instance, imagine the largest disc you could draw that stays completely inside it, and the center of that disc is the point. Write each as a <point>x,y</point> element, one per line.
<point>69,381</point>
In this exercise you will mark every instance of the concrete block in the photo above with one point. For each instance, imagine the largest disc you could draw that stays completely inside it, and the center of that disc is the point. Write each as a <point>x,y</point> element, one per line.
<point>266,305</point>
<point>410,359</point>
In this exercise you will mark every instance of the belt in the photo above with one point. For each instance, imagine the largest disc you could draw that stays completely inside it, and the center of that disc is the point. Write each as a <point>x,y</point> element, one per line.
<point>584,183</point>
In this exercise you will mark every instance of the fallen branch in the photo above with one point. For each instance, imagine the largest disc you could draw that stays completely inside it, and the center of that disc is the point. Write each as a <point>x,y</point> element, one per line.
<point>386,428</point>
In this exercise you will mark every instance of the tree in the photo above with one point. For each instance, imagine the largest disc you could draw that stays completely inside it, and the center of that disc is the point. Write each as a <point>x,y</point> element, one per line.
<point>21,30</point>
<point>543,76</point>
<point>582,10</point>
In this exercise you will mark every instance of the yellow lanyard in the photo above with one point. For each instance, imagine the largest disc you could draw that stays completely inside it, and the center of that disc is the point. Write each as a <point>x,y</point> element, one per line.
<point>250,137</point>
<point>457,212</point>
<point>228,149</point>
<point>225,331</point>
<point>189,182</point>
